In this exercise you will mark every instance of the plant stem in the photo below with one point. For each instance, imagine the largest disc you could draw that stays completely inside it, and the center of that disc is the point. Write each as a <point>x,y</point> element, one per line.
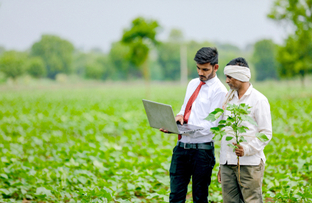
<point>237,142</point>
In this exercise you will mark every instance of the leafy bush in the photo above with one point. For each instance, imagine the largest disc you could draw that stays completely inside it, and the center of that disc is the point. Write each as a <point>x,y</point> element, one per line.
<point>12,64</point>
<point>36,67</point>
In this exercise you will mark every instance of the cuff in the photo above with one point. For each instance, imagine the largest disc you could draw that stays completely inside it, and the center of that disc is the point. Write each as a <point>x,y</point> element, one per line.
<point>246,148</point>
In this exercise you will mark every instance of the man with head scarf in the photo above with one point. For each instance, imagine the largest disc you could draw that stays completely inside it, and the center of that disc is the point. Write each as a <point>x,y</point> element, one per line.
<point>251,156</point>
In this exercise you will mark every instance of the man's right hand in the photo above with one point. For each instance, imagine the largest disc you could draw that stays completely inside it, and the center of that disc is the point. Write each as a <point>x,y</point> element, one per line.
<point>219,176</point>
<point>179,118</point>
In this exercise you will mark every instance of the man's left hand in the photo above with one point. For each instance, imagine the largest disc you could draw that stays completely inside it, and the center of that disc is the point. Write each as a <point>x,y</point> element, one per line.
<point>239,151</point>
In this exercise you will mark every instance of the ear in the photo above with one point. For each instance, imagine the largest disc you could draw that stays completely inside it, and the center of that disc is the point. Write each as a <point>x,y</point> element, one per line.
<point>216,67</point>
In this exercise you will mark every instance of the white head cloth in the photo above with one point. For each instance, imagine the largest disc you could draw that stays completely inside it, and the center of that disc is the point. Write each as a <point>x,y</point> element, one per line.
<point>240,73</point>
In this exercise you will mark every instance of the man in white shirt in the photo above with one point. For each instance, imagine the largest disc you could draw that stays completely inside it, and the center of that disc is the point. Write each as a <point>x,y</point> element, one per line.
<point>194,154</point>
<point>251,156</point>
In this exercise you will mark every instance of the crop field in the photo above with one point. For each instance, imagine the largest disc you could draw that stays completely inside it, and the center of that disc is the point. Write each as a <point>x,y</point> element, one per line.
<point>94,144</point>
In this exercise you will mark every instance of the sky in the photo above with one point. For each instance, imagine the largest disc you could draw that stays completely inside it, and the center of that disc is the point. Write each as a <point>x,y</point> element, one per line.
<point>97,23</point>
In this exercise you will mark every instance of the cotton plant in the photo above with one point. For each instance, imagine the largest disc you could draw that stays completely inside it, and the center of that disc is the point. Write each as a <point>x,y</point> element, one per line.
<point>238,114</point>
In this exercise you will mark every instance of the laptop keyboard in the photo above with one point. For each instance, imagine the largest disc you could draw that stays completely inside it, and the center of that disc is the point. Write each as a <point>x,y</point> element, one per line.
<point>182,127</point>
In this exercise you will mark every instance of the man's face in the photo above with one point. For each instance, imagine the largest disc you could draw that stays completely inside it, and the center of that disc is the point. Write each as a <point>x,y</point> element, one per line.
<point>233,83</point>
<point>206,71</point>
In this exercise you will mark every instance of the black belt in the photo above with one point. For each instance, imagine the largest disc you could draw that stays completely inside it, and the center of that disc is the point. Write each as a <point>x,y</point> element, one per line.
<point>206,145</point>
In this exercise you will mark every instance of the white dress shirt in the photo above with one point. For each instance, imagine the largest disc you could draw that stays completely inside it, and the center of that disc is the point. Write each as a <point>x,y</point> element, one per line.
<point>253,148</point>
<point>210,97</point>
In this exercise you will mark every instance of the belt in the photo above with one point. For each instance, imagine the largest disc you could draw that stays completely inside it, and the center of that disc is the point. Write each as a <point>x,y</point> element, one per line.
<point>206,145</point>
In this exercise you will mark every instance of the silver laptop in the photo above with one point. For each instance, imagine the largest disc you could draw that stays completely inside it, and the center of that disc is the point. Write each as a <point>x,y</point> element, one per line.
<point>161,116</point>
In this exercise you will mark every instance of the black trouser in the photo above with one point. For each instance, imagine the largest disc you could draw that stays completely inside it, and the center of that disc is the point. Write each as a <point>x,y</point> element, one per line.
<point>185,163</point>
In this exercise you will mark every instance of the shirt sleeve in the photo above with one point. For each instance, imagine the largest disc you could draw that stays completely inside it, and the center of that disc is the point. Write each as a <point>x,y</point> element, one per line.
<point>263,118</point>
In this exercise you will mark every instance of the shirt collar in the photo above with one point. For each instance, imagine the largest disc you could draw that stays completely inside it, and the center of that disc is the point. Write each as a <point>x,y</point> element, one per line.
<point>211,81</point>
<point>248,92</point>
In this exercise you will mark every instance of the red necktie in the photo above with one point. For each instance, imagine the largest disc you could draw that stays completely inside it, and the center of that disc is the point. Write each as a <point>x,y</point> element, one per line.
<point>188,107</point>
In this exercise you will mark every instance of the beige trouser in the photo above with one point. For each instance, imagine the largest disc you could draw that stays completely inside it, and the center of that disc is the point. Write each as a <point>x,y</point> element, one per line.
<point>251,179</point>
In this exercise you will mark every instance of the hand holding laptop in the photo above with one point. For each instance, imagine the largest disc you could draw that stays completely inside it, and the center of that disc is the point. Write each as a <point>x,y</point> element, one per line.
<point>161,116</point>
<point>178,119</point>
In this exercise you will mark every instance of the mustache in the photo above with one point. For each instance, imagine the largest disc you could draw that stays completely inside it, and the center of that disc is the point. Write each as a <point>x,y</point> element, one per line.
<point>201,76</point>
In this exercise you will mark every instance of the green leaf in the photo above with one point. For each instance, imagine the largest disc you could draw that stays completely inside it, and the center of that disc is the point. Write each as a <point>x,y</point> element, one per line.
<point>228,138</point>
<point>217,137</point>
<point>262,137</point>
<point>229,120</point>
<point>243,109</point>
<point>218,115</point>
<point>5,191</point>
<point>82,179</point>
<point>97,164</point>
<point>222,133</point>
<point>232,146</point>
<point>242,139</point>
<point>242,129</point>
<point>5,176</point>
<point>215,129</point>
<point>215,114</point>
<point>211,117</point>
<point>222,122</point>
<point>43,191</point>
<point>249,119</point>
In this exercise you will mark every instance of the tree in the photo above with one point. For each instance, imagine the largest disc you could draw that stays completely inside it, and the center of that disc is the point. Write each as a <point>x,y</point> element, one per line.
<point>120,62</point>
<point>12,64</point>
<point>295,56</point>
<point>169,60</point>
<point>94,71</point>
<point>264,60</point>
<point>36,67</point>
<point>56,53</point>
<point>140,38</point>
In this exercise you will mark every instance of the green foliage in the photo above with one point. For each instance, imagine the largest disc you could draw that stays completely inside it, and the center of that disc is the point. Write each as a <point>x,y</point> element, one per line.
<point>12,64</point>
<point>95,145</point>
<point>56,53</point>
<point>94,71</point>
<point>120,61</point>
<point>139,37</point>
<point>264,60</point>
<point>169,60</point>
<point>238,114</point>
<point>294,12</point>
<point>295,55</point>
<point>36,67</point>
<point>93,65</point>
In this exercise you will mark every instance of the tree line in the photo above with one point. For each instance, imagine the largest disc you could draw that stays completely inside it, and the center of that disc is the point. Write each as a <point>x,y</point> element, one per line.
<point>138,54</point>
<point>52,55</point>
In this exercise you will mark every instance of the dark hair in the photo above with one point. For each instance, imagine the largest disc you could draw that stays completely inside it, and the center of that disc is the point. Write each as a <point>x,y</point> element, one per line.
<point>240,61</point>
<point>207,55</point>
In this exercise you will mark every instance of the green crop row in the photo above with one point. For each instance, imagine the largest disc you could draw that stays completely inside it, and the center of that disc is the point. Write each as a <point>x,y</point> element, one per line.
<point>95,145</point>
